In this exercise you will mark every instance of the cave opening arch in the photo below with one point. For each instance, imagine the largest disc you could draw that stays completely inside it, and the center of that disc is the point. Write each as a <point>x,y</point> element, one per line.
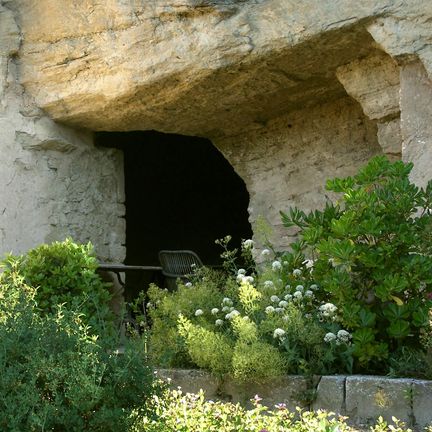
<point>181,193</point>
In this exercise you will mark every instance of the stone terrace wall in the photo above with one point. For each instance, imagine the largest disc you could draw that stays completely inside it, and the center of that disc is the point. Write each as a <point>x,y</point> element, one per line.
<point>361,397</point>
<point>287,161</point>
<point>53,182</point>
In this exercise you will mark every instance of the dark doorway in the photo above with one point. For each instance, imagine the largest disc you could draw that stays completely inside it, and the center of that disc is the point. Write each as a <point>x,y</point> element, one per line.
<point>181,193</point>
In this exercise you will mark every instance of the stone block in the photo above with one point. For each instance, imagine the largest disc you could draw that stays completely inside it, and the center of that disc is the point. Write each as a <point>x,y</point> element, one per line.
<point>416,125</point>
<point>191,381</point>
<point>389,138</point>
<point>289,390</point>
<point>331,394</point>
<point>368,397</point>
<point>422,403</point>
<point>374,83</point>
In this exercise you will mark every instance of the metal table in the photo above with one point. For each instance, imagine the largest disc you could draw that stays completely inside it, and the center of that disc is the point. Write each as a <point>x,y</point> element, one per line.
<point>154,275</point>
<point>124,268</point>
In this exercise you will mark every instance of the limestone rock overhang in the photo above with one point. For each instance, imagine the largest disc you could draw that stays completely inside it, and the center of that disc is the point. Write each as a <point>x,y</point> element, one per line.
<point>206,68</point>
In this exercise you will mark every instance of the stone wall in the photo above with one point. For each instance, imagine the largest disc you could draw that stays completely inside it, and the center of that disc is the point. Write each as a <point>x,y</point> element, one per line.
<point>287,161</point>
<point>54,182</point>
<point>362,398</point>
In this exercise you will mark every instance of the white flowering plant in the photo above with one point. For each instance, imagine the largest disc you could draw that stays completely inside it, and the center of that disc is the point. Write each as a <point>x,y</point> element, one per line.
<point>237,260</point>
<point>253,326</point>
<point>355,287</point>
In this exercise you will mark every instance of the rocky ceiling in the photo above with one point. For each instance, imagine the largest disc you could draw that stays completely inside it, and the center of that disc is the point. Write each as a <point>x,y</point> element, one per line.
<point>207,68</point>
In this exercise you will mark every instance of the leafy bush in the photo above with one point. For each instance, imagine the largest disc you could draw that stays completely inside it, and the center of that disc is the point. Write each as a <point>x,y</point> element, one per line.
<point>355,286</point>
<point>371,253</point>
<point>181,412</point>
<point>65,273</point>
<point>56,375</point>
<point>239,325</point>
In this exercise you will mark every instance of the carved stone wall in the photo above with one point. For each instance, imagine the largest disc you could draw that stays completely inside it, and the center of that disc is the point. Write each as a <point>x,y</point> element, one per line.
<point>54,182</point>
<point>287,162</point>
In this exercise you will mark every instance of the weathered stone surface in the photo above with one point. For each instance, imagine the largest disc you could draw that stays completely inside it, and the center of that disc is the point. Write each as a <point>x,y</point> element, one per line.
<point>368,397</point>
<point>390,138</point>
<point>362,398</point>
<point>191,381</point>
<point>330,394</point>
<point>54,182</point>
<point>287,161</point>
<point>406,36</point>
<point>256,76</point>
<point>289,390</point>
<point>416,124</point>
<point>422,403</point>
<point>374,83</point>
<point>9,45</point>
<point>205,68</point>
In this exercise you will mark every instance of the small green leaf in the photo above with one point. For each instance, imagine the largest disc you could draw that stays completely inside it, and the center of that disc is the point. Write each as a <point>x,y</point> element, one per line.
<point>399,329</point>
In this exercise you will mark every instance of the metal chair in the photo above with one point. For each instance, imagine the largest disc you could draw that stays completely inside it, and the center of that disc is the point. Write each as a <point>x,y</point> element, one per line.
<point>178,264</point>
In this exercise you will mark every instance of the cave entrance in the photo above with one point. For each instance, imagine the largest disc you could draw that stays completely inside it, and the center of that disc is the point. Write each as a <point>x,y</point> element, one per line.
<point>181,193</point>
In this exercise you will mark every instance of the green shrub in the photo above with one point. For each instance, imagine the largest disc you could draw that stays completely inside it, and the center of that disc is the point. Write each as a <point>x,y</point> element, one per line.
<point>179,412</point>
<point>57,376</point>
<point>371,254</point>
<point>65,273</point>
<point>167,347</point>
<point>232,325</point>
<point>356,286</point>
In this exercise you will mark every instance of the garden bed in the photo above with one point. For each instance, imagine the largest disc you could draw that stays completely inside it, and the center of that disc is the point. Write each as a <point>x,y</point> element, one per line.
<point>361,397</point>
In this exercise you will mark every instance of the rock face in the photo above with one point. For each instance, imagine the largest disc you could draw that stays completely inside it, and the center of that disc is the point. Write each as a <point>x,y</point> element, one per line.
<point>54,183</point>
<point>287,162</point>
<point>195,67</point>
<point>290,94</point>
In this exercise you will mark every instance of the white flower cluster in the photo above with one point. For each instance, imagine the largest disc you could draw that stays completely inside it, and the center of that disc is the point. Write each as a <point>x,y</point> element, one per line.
<point>226,301</point>
<point>232,314</point>
<point>329,337</point>
<point>297,272</point>
<point>279,333</point>
<point>248,244</point>
<point>226,307</point>
<point>327,310</point>
<point>281,304</point>
<point>269,309</point>
<point>265,253</point>
<point>276,266</point>
<point>300,293</point>
<point>268,284</point>
<point>342,337</point>
<point>241,277</point>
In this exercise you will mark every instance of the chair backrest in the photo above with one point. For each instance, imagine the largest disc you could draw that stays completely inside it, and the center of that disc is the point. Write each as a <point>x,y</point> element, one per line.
<point>178,263</point>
